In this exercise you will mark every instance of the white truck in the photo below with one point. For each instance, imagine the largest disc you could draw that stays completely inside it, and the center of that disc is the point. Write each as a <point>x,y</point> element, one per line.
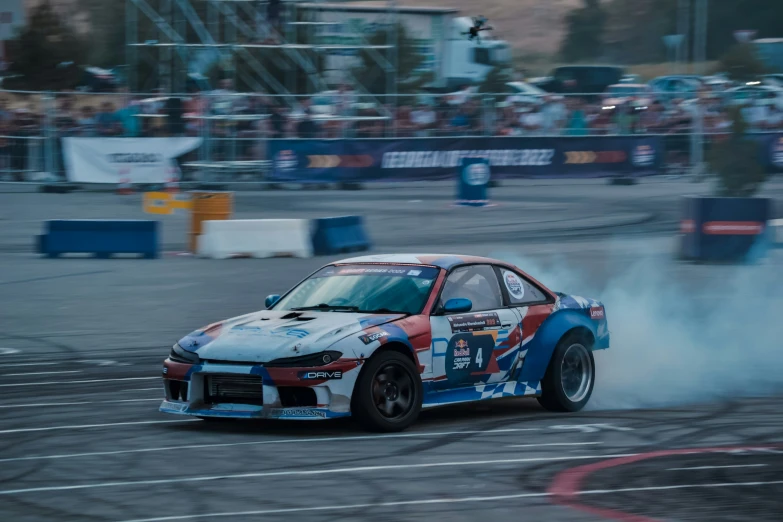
<point>439,35</point>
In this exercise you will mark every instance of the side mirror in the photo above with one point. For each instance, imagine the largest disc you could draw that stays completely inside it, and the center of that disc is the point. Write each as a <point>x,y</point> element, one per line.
<point>457,306</point>
<point>271,300</point>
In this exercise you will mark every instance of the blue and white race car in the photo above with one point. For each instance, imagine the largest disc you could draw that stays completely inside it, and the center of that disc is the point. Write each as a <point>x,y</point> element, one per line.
<point>381,337</point>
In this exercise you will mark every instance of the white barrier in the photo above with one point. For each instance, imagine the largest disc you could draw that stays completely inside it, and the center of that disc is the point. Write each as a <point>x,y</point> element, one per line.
<point>255,238</point>
<point>777,231</point>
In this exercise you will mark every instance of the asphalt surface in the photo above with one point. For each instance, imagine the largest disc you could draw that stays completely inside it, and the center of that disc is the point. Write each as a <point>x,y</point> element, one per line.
<point>684,423</point>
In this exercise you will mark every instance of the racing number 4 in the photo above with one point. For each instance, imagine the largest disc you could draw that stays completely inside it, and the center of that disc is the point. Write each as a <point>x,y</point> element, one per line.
<point>479,359</point>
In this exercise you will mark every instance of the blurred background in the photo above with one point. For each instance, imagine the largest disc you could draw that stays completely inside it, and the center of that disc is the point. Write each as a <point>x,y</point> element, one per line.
<point>241,74</point>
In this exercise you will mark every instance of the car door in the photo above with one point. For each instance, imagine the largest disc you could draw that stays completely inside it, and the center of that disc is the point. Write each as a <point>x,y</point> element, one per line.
<point>533,306</point>
<point>465,344</point>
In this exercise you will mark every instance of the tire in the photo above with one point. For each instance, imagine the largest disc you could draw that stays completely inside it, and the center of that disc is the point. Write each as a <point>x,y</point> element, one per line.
<point>569,379</point>
<point>388,393</point>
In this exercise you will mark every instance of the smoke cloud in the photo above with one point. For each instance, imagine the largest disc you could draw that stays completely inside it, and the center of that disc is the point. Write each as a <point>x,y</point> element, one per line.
<point>681,333</point>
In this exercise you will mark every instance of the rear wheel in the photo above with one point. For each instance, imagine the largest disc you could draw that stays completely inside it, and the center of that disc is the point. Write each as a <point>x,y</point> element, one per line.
<point>388,393</point>
<point>569,379</point>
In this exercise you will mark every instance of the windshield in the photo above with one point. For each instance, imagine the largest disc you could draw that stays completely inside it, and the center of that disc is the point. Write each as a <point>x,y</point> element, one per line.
<point>363,288</point>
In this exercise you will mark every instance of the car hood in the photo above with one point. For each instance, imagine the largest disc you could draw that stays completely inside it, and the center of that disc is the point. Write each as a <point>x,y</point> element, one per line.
<point>268,335</point>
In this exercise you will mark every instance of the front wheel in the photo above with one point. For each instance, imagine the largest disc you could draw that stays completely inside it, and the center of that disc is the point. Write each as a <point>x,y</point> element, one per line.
<point>388,393</point>
<point>568,382</point>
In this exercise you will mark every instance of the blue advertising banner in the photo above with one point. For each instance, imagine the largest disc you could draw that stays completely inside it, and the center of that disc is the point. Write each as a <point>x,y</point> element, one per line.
<point>439,158</point>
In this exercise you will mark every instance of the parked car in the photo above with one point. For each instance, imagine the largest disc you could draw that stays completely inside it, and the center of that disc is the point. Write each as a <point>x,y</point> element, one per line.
<point>580,79</point>
<point>676,86</point>
<point>624,92</point>
<point>756,93</point>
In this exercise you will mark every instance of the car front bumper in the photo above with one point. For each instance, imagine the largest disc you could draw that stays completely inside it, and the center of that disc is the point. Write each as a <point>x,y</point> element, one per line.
<point>248,391</point>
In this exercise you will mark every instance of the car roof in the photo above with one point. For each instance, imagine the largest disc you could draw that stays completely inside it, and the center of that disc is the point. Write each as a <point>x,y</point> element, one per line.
<point>446,261</point>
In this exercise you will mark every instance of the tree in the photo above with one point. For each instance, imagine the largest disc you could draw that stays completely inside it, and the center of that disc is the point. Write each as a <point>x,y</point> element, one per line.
<point>584,36</point>
<point>741,63</point>
<point>106,19</point>
<point>46,54</point>
<point>735,161</point>
<point>409,76</point>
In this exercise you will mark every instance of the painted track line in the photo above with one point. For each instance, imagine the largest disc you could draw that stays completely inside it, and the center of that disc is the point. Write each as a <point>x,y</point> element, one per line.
<point>274,441</point>
<point>80,403</point>
<point>699,468</point>
<point>431,501</point>
<point>545,444</point>
<point>306,472</point>
<point>87,381</point>
<point>15,365</point>
<point>88,426</point>
<point>39,373</point>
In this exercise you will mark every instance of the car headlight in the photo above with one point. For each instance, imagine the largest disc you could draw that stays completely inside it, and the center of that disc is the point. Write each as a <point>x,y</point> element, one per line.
<point>306,361</point>
<point>181,355</point>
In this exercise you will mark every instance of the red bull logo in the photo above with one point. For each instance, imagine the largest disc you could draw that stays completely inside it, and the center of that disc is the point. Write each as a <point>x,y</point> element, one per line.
<point>461,349</point>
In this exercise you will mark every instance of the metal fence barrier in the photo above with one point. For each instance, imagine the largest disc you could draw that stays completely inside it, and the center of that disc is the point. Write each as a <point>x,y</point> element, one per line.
<point>236,127</point>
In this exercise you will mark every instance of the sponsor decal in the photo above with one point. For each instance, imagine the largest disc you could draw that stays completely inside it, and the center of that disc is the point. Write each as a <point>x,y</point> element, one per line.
<point>597,313</point>
<point>688,226</point>
<point>777,152</point>
<point>429,159</point>
<point>514,285</point>
<point>733,228</point>
<point>286,161</point>
<point>370,270</point>
<point>467,355</point>
<point>472,322</point>
<point>585,157</point>
<point>643,156</point>
<point>369,338</point>
<point>275,332</point>
<point>298,412</point>
<point>296,332</point>
<point>174,406</point>
<point>476,174</point>
<point>321,375</point>
<point>135,157</point>
<point>461,349</point>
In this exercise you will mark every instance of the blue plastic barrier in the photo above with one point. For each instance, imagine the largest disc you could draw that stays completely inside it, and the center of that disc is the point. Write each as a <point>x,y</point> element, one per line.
<point>724,229</point>
<point>338,235</point>
<point>99,237</point>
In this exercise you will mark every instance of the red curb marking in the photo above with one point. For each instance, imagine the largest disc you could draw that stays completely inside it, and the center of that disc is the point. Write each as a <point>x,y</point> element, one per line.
<point>565,488</point>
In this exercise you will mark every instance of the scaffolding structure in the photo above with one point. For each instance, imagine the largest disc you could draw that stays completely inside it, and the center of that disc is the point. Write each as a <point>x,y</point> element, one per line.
<point>174,37</point>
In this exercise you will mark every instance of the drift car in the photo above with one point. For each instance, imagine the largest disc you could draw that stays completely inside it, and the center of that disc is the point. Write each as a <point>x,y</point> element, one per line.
<point>381,337</point>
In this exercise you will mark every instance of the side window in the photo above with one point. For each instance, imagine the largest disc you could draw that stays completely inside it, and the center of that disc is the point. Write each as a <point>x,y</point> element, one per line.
<point>477,283</point>
<point>520,292</point>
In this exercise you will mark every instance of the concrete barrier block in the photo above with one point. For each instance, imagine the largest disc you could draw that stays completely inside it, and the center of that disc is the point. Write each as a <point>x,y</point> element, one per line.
<point>258,238</point>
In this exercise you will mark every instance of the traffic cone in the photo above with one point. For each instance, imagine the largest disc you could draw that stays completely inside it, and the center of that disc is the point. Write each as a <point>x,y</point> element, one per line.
<point>124,187</point>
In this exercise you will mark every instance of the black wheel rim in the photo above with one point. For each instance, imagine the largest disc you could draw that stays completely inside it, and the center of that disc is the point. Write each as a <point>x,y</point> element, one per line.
<point>576,373</point>
<point>393,392</point>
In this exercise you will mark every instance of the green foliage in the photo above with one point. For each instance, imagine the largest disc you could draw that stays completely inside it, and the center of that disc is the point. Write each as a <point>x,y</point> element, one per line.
<point>741,63</point>
<point>584,36</point>
<point>46,54</point>
<point>106,19</point>
<point>736,161</point>
<point>409,79</point>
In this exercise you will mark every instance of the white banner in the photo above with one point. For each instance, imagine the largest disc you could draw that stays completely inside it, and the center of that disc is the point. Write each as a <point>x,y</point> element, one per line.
<point>124,160</point>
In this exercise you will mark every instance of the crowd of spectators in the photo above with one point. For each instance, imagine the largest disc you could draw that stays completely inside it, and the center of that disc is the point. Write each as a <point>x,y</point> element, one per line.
<point>237,123</point>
